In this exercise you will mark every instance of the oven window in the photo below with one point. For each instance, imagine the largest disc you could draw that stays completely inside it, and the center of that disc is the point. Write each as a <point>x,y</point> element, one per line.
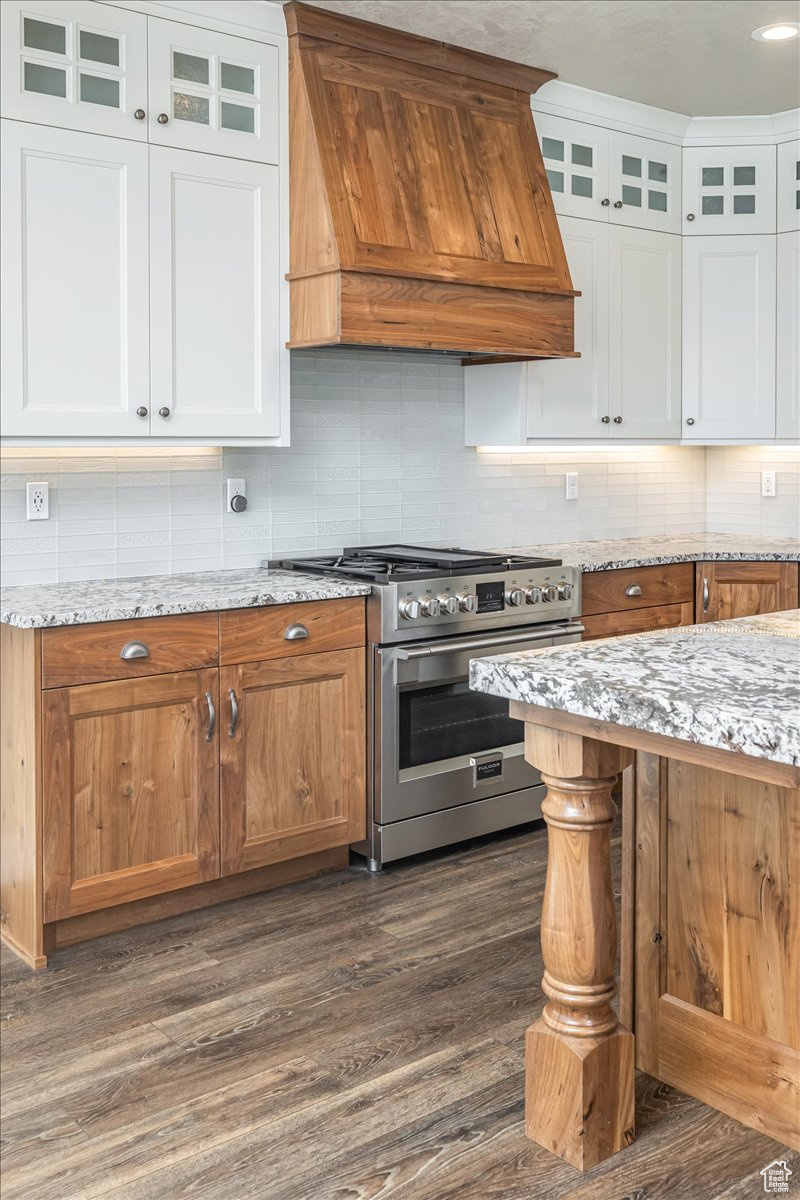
<point>450,721</point>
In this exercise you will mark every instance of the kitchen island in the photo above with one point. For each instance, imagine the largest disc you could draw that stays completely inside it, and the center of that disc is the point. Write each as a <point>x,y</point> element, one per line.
<point>703,721</point>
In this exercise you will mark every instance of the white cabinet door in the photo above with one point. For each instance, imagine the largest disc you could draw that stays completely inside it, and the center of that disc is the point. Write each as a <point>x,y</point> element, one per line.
<point>644,360</point>
<point>728,189</point>
<point>788,344</point>
<point>213,92</point>
<point>576,160</point>
<point>644,183</point>
<point>215,289</point>
<point>75,298</point>
<point>729,337</point>
<point>75,64</point>
<point>788,186</point>
<point>568,397</point>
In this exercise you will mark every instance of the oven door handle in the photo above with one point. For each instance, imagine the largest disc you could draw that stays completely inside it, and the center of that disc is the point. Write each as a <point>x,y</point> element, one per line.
<point>488,643</point>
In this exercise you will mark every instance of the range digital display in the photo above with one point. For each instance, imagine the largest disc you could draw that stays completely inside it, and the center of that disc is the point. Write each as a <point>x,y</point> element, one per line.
<point>491,596</point>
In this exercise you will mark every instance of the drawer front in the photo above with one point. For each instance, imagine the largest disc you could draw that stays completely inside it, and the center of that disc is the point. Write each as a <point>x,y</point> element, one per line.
<point>639,620</point>
<point>76,654</point>
<point>637,587</point>
<point>282,630</point>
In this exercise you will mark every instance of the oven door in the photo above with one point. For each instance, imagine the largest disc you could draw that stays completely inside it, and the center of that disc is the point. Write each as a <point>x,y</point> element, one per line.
<point>436,743</point>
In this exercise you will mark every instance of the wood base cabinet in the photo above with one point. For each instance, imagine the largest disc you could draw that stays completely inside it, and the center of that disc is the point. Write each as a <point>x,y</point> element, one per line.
<point>744,589</point>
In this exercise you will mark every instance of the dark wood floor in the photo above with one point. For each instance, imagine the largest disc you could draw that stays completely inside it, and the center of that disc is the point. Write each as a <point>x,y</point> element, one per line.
<point>352,1038</point>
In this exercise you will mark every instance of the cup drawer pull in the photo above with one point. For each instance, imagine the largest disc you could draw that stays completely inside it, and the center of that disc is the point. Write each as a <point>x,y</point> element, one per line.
<point>295,632</point>
<point>134,650</point>
<point>633,589</point>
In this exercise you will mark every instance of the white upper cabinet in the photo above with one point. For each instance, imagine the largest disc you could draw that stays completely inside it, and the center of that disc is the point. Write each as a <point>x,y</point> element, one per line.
<point>644,379</point>
<point>75,64</point>
<point>75,284</point>
<point>213,92</point>
<point>215,306</point>
<point>728,189</point>
<point>576,160</point>
<point>645,183</point>
<point>788,186</point>
<point>729,338</point>
<point>788,343</point>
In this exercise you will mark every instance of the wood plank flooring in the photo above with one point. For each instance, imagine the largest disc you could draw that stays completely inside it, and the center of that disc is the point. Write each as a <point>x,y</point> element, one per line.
<point>349,1038</point>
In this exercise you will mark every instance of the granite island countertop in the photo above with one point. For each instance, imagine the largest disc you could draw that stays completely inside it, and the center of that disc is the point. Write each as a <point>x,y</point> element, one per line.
<point>48,604</point>
<point>616,553</point>
<point>731,685</point>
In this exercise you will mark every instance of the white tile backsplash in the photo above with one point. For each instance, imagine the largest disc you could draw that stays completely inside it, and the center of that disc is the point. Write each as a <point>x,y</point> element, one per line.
<point>377,455</point>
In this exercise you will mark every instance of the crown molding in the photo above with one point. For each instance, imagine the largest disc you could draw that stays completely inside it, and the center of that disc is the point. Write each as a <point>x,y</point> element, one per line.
<point>248,18</point>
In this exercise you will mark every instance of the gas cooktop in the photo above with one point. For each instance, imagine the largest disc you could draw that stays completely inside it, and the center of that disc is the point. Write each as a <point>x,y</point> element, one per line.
<point>390,564</point>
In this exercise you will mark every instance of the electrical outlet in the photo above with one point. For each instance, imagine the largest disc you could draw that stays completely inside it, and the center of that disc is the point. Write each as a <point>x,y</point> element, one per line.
<point>237,495</point>
<point>572,485</point>
<point>38,501</point>
<point>769,483</point>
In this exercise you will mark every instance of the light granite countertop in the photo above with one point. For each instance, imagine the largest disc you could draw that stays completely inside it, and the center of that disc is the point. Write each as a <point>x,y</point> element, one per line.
<point>48,604</point>
<point>731,685</point>
<point>611,554</point>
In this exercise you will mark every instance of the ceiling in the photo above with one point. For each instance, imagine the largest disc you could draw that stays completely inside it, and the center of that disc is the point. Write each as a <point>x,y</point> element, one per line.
<point>690,56</point>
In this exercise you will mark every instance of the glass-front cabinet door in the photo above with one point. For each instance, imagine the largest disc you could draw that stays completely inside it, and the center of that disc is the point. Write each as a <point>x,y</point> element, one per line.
<point>213,92</point>
<point>76,65</point>
<point>788,187</point>
<point>576,161</point>
<point>644,182</point>
<point>728,189</point>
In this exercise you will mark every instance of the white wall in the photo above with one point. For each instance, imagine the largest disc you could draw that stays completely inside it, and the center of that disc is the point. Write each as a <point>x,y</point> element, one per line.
<point>377,454</point>
<point>734,503</point>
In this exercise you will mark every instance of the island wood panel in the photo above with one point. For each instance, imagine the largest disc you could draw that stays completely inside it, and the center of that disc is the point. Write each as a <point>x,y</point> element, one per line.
<point>77,654</point>
<point>743,589</point>
<point>130,790</point>
<point>636,587</point>
<point>637,620</point>
<point>253,634</point>
<point>293,761</point>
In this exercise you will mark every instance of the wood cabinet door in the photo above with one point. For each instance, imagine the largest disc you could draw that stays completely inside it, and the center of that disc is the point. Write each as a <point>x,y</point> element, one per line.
<point>293,757</point>
<point>131,790</point>
<point>744,589</point>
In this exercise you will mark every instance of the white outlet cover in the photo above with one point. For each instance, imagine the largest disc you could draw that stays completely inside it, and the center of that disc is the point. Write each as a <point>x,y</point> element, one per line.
<point>769,483</point>
<point>37,497</point>
<point>236,487</point>
<point>571,490</point>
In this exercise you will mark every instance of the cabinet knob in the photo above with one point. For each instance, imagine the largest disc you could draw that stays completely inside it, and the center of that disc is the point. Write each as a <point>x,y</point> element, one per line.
<point>617,420</point>
<point>605,420</point>
<point>162,118</point>
<point>690,420</point>
<point>617,204</point>
<point>690,216</point>
<point>605,203</point>
<point>163,412</point>
<point>141,411</point>
<point>140,114</point>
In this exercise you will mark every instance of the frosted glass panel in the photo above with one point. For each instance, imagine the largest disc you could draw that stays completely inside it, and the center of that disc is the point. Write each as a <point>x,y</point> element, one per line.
<point>237,79</point>
<point>744,177</point>
<point>581,186</point>
<point>556,180</point>
<point>41,35</point>
<point>744,204</point>
<point>632,196</point>
<point>657,172</point>
<point>797,199</point>
<point>99,48</point>
<point>713,206</point>
<point>95,90</point>
<point>50,81</point>
<point>631,166</point>
<point>237,116</point>
<point>713,176</point>
<point>189,67</point>
<point>190,108</point>
<point>552,148</point>
<point>797,170</point>
<point>657,201</point>
<point>582,156</point>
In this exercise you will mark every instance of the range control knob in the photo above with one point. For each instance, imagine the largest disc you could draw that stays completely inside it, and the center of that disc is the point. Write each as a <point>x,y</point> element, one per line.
<point>409,609</point>
<point>565,591</point>
<point>468,603</point>
<point>449,605</point>
<point>515,597</point>
<point>549,593</point>
<point>533,595</point>
<point>431,607</point>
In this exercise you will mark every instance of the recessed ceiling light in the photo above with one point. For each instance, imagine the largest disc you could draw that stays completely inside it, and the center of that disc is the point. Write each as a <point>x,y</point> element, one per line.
<point>782,32</point>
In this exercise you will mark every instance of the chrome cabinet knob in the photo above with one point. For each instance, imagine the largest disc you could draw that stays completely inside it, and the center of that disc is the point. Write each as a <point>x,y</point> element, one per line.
<point>605,420</point>
<point>617,204</point>
<point>605,203</point>
<point>140,114</point>
<point>141,411</point>
<point>163,412</point>
<point>690,216</point>
<point>449,605</point>
<point>690,420</point>
<point>468,603</point>
<point>162,118</point>
<point>431,607</point>
<point>533,595</point>
<point>515,597</point>
<point>549,593</point>
<point>565,591</point>
<point>409,609</point>
<point>617,420</point>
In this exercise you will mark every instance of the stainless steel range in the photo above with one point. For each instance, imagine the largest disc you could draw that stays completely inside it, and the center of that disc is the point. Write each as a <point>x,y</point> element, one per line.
<point>446,763</point>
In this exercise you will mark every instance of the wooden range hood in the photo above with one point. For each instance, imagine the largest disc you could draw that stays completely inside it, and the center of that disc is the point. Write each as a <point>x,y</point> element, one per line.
<point>421,215</point>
